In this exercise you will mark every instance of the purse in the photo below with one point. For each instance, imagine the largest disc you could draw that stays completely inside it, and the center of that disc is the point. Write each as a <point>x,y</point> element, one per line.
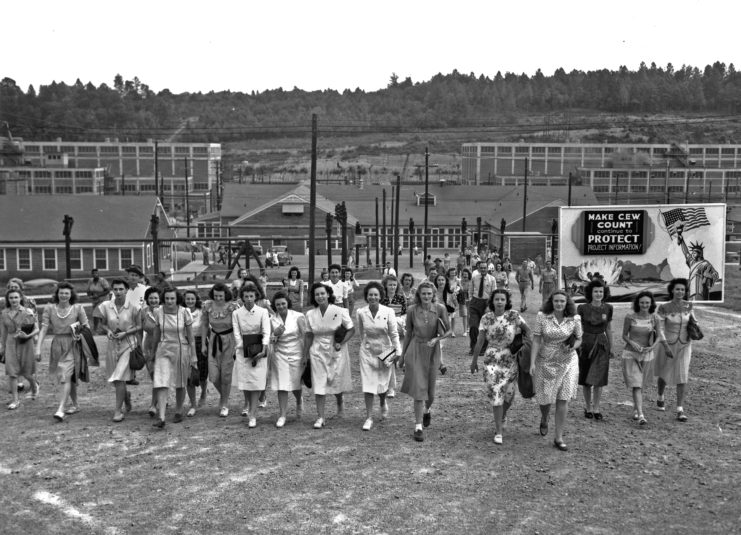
<point>306,375</point>
<point>28,329</point>
<point>339,334</point>
<point>516,345</point>
<point>388,358</point>
<point>693,329</point>
<point>136,359</point>
<point>571,340</point>
<point>252,344</point>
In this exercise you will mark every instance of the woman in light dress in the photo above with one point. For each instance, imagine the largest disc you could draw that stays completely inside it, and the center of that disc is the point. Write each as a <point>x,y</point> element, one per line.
<point>218,341</point>
<point>641,333</point>
<point>149,322</point>
<point>348,277</point>
<point>501,276</point>
<point>294,288</point>
<point>466,297</point>
<point>379,348</point>
<point>175,355</point>
<point>288,328</point>
<point>498,328</point>
<point>452,290</point>
<point>251,364</point>
<point>18,328</point>
<point>63,318</point>
<point>547,282</point>
<point>393,297</point>
<point>427,325</point>
<point>326,351</point>
<point>554,364</point>
<point>120,319</point>
<point>672,365</point>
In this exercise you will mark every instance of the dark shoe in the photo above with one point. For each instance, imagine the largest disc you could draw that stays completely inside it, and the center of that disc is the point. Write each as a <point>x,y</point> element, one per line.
<point>152,412</point>
<point>426,419</point>
<point>419,435</point>
<point>661,404</point>
<point>177,418</point>
<point>21,387</point>
<point>443,370</point>
<point>681,416</point>
<point>543,428</point>
<point>598,416</point>
<point>133,382</point>
<point>159,423</point>
<point>588,414</point>
<point>560,445</point>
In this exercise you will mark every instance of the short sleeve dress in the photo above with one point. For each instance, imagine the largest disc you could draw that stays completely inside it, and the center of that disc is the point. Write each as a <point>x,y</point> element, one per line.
<point>118,351</point>
<point>500,366</point>
<point>330,369</point>
<point>19,353</point>
<point>220,341</point>
<point>172,360</point>
<point>421,362</point>
<point>548,277</point>
<point>247,376</point>
<point>288,350</point>
<point>637,366</point>
<point>378,337</point>
<point>674,371</point>
<point>64,354</point>
<point>594,353</point>
<point>556,374</point>
<point>293,289</point>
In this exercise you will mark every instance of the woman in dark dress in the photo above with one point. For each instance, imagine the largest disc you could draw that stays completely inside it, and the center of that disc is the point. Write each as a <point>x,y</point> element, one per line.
<point>596,347</point>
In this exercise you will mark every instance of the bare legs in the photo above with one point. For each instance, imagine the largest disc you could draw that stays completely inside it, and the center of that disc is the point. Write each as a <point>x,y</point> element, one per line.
<point>500,413</point>
<point>283,402</point>
<point>561,408</point>
<point>369,403</point>
<point>69,389</point>
<point>120,399</point>
<point>321,401</point>
<point>592,397</point>
<point>661,387</point>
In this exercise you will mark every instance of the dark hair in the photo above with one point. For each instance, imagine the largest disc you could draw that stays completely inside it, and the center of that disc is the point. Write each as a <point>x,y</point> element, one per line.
<point>425,284</point>
<point>499,265</point>
<point>507,305</point>
<point>596,283</point>
<point>455,272</point>
<point>249,287</point>
<point>570,309</point>
<point>673,283</point>
<point>444,276</point>
<point>384,285</point>
<point>7,294</point>
<point>149,291</point>
<point>644,293</point>
<point>120,281</point>
<point>280,294</point>
<point>65,286</point>
<point>467,271</point>
<point>254,280</point>
<point>198,297</point>
<point>375,284</point>
<point>291,270</point>
<point>335,266</point>
<point>220,287</point>
<point>345,271</point>
<point>405,275</point>
<point>330,294</point>
<point>169,290</point>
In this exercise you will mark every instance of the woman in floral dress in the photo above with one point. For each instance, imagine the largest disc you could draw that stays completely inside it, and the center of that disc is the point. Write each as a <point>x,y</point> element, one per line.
<point>217,329</point>
<point>673,357</point>
<point>498,328</point>
<point>554,364</point>
<point>393,297</point>
<point>18,327</point>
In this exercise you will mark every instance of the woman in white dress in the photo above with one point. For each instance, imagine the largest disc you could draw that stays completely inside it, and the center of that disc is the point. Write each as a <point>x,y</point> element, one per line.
<point>193,303</point>
<point>286,363</point>
<point>379,348</point>
<point>294,287</point>
<point>175,354</point>
<point>326,350</point>
<point>251,324</point>
<point>121,319</point>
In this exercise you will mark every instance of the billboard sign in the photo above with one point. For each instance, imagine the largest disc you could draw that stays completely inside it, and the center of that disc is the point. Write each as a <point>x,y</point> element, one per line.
<point>635,248</point>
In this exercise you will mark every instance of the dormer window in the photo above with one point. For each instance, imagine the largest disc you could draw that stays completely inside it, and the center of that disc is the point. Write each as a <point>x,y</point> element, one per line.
<point>429,199</point>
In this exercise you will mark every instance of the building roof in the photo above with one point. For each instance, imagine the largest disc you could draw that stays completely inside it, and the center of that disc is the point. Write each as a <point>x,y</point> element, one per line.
<point>96,217</point>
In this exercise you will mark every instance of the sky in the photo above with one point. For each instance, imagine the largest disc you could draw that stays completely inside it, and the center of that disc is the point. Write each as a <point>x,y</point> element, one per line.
<point>189,46</point>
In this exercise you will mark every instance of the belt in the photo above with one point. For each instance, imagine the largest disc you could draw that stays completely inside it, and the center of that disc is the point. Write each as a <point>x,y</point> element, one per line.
<point>218,344</point>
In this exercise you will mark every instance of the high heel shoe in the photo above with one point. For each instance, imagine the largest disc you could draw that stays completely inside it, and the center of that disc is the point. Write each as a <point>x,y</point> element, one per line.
<point>560,445</point>
<point>588,414</point>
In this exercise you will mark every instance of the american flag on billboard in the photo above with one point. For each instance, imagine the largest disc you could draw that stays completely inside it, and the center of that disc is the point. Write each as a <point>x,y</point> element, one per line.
<point>689,217</point>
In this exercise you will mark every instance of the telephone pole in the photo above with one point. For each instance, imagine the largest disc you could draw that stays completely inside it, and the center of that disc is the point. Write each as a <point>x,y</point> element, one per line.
<point>524,201</point>
<point>187,201</point>
<point>312,201</point>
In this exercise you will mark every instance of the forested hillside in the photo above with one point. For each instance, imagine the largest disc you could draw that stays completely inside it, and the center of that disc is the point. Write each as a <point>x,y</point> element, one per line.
<point>130,110</point>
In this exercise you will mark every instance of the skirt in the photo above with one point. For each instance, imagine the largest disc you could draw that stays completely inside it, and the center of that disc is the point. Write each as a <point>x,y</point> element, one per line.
<point>375,376</point>
<point>171,366</point>
<point>19,359</point>
<point>421,364</point>
<point>248,377</point>
<point>285,373</point>
<point>637,373</point>
<point>330,375</point>
<point>594,362</point>
<point>555,378</point>
<point>64,358</point>
<point>674,371</point>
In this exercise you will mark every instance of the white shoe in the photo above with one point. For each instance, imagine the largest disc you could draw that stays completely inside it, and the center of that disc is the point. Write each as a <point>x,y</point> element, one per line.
<point>191,412</point>
<point>319,423</point>
<point>391,393</point>
<point>281,422</point>
<point>252,422</point>
<point>263,404</point>
<point>245,412</point>
<point>368,424</point>
<point>497,439</point>
<point>224,412</point>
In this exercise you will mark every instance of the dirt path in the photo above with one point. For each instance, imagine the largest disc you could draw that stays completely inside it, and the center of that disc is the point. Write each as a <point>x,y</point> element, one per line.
<point>93,476</point>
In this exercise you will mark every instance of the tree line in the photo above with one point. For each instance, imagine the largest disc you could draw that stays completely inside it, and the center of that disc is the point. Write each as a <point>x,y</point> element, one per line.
<point>131,110</point>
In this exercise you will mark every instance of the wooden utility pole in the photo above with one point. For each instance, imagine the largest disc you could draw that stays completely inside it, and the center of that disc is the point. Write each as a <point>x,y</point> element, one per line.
<point>427,201</point>
<point>666,184</point>
<point>329,223</point>
<point>524,202</point>
<point>67,232</point>
<point>384,235</point>
<point>157,171</point>
<point>123,184</point>
<point>154,229</point>
<point>378,236</point>
<point>187,201</point>
<point>312,201</point>
<point>396,226</point>
<point>570,183</point>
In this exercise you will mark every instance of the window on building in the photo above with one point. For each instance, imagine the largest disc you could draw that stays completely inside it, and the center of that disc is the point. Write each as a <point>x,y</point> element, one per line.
<point>208,230</point>
<point>84,174</point>
<point>728,151</point>
<point>100,259</point>
<point>656,188</point>
<point>676,189</point>
<point>3,263</point>
<point>522,150</point>
<point>503,151</point>
<point>24,259</point>
<point>75,259</point>
<point>148,254</point>
<point>182,150</point>
<point>602,174</point>
<point>84,189</point>
<point>639,174</point>
<point>87,149</point>
<point>125,258</point>
<point>128,150</point>
<point>40,173</point>
<point>538,150</point>
<point>146,150</point>
<point>107,149</point>
<point>637,188</point>
<point>63,189</point>
<point>42,188</point>
<point>147,187</point>
<point>49,259</point>
<point>711,151</point>
<point>601,189</point>
<point>200,186</point>
<point>63,174</point>
<point>201,151</point>
<point>163,151</point>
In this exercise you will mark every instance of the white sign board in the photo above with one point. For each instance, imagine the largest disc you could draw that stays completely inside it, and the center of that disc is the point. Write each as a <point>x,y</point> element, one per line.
<point>643,247</point>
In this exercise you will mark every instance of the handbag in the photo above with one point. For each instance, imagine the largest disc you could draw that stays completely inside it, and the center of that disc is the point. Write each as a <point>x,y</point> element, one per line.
<point>339,334</point>
<point>252,344</point>
<point>306,375</point>
<point>524,379</point>
<point>28,329</point>
<point>388,358</point>
<point>516,344</point>
<point>136,359</point>
<point>693,329</point>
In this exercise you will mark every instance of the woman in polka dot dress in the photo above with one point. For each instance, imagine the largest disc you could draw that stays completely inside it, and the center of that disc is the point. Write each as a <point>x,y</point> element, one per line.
<point>555,365</point>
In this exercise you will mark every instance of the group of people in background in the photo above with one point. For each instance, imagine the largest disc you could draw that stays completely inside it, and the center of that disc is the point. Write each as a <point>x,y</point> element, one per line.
<point>239,338</point>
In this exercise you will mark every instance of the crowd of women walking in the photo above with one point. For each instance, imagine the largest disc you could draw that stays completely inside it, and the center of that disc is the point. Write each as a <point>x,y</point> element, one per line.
<point>239,339</point>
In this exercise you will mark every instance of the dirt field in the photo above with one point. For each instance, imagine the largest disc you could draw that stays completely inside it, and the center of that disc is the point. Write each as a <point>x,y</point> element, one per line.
<point>211,474</point>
